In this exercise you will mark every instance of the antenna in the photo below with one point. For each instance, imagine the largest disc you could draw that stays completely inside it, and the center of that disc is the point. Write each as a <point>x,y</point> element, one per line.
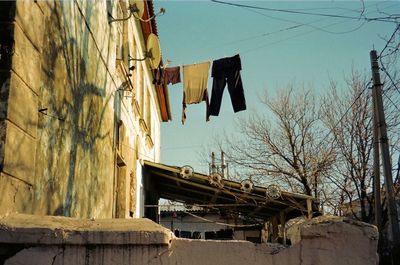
<point>223,166</point>
<point>136,9</point>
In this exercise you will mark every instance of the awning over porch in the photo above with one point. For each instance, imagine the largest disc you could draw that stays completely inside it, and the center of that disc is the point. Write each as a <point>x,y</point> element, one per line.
<point>163,181</point>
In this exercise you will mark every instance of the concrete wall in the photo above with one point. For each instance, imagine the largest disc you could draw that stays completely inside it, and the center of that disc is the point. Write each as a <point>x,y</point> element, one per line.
<point>63,101</point>
<point>59,240</point>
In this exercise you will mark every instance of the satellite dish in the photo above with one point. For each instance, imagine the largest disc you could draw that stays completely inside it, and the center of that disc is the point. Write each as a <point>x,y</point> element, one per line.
<point>153,52</point>
<point>137,8</point>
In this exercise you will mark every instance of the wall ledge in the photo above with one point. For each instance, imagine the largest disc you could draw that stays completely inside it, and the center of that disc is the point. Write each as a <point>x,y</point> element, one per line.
<point>55,230</point>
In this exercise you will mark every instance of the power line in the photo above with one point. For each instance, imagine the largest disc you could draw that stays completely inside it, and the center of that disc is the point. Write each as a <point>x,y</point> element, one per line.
<point>389,41</point>
<point>299,24</point>
<point>327,8</point>
<point>362,17</point>
<point>219,223</point>
<point>309,24</point>
<point>344,115</point>
<point>391,101</point>
<point>291,37</point>
<point>383,68</point>
<point>298,35</point>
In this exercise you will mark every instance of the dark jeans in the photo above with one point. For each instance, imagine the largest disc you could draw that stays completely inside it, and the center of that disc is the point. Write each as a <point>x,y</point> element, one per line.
<point>227,70</point>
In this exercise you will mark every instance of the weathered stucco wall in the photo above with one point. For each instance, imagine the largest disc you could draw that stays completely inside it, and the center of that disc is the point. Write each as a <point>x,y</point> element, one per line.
<point>64,104</point>
<point>75,139</point>
<point>60,240</point>
<point>16,129</point>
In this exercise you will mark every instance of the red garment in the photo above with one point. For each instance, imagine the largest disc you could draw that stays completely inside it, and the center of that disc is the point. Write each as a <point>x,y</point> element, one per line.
<point>172,75</point>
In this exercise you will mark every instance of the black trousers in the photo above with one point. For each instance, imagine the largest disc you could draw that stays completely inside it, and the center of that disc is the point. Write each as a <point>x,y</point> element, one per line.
<point>227,71</point>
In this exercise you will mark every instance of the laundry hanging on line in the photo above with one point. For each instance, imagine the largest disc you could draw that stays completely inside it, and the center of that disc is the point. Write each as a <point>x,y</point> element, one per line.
<point>227,71</point>
<point>165,76</point>
<point>195,79</point>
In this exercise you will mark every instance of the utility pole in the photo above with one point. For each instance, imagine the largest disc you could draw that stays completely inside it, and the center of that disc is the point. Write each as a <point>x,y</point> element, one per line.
<point>384,147</point>
<point>376,173</point>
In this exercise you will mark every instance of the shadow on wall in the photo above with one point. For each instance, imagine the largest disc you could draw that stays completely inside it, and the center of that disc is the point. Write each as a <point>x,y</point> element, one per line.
<point>74,167</point>
<point>10,189</point>
<point>6,52</point>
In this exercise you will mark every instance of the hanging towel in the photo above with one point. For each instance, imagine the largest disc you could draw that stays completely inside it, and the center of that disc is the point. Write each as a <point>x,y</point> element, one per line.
<point>227,70</point>
<point>172,75</point>
<point>195,79</point>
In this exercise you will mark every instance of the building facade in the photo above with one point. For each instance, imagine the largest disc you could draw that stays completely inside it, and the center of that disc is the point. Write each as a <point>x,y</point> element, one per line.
<point>77,115</point>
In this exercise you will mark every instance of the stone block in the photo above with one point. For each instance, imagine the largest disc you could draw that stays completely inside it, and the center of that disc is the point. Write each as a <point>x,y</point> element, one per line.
<point>16,195</point>
<point>57,230</point>
<point>20,151</point>
<point>22,106</point>
<point>26,12</point>
<point>26,60</point>
<point>325,240</point>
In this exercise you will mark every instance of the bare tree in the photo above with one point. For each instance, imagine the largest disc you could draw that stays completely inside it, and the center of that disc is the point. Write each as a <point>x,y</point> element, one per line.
<point>347,114</point>
<point>286,144</point>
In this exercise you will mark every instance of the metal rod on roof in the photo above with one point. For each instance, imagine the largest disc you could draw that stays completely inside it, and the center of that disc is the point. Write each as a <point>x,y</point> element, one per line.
<point>213,167</point>
<point>223,166</point>
<point>208,205</point>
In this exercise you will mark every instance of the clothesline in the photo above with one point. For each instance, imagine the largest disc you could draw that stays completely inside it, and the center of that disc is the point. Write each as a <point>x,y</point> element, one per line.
<point>225,71</point>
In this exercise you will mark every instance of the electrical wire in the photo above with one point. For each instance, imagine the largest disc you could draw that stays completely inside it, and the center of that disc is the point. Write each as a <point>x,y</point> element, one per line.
<point>391,101</point>
<point>288,38</point>
<point>380,19</point>
<point>344,115</point>
<point>389,41</point>
<point>94,41</point>
<point>301,34</point>
<point>219,223</point>
<point>383,68</point>
<point>309,24</point>
<point>288,29</point>
<point>298,25</point>
<point>327,8</point>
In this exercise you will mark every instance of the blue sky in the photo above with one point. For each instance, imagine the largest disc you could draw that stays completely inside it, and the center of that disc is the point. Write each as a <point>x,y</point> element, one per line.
<point>272,56</point>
